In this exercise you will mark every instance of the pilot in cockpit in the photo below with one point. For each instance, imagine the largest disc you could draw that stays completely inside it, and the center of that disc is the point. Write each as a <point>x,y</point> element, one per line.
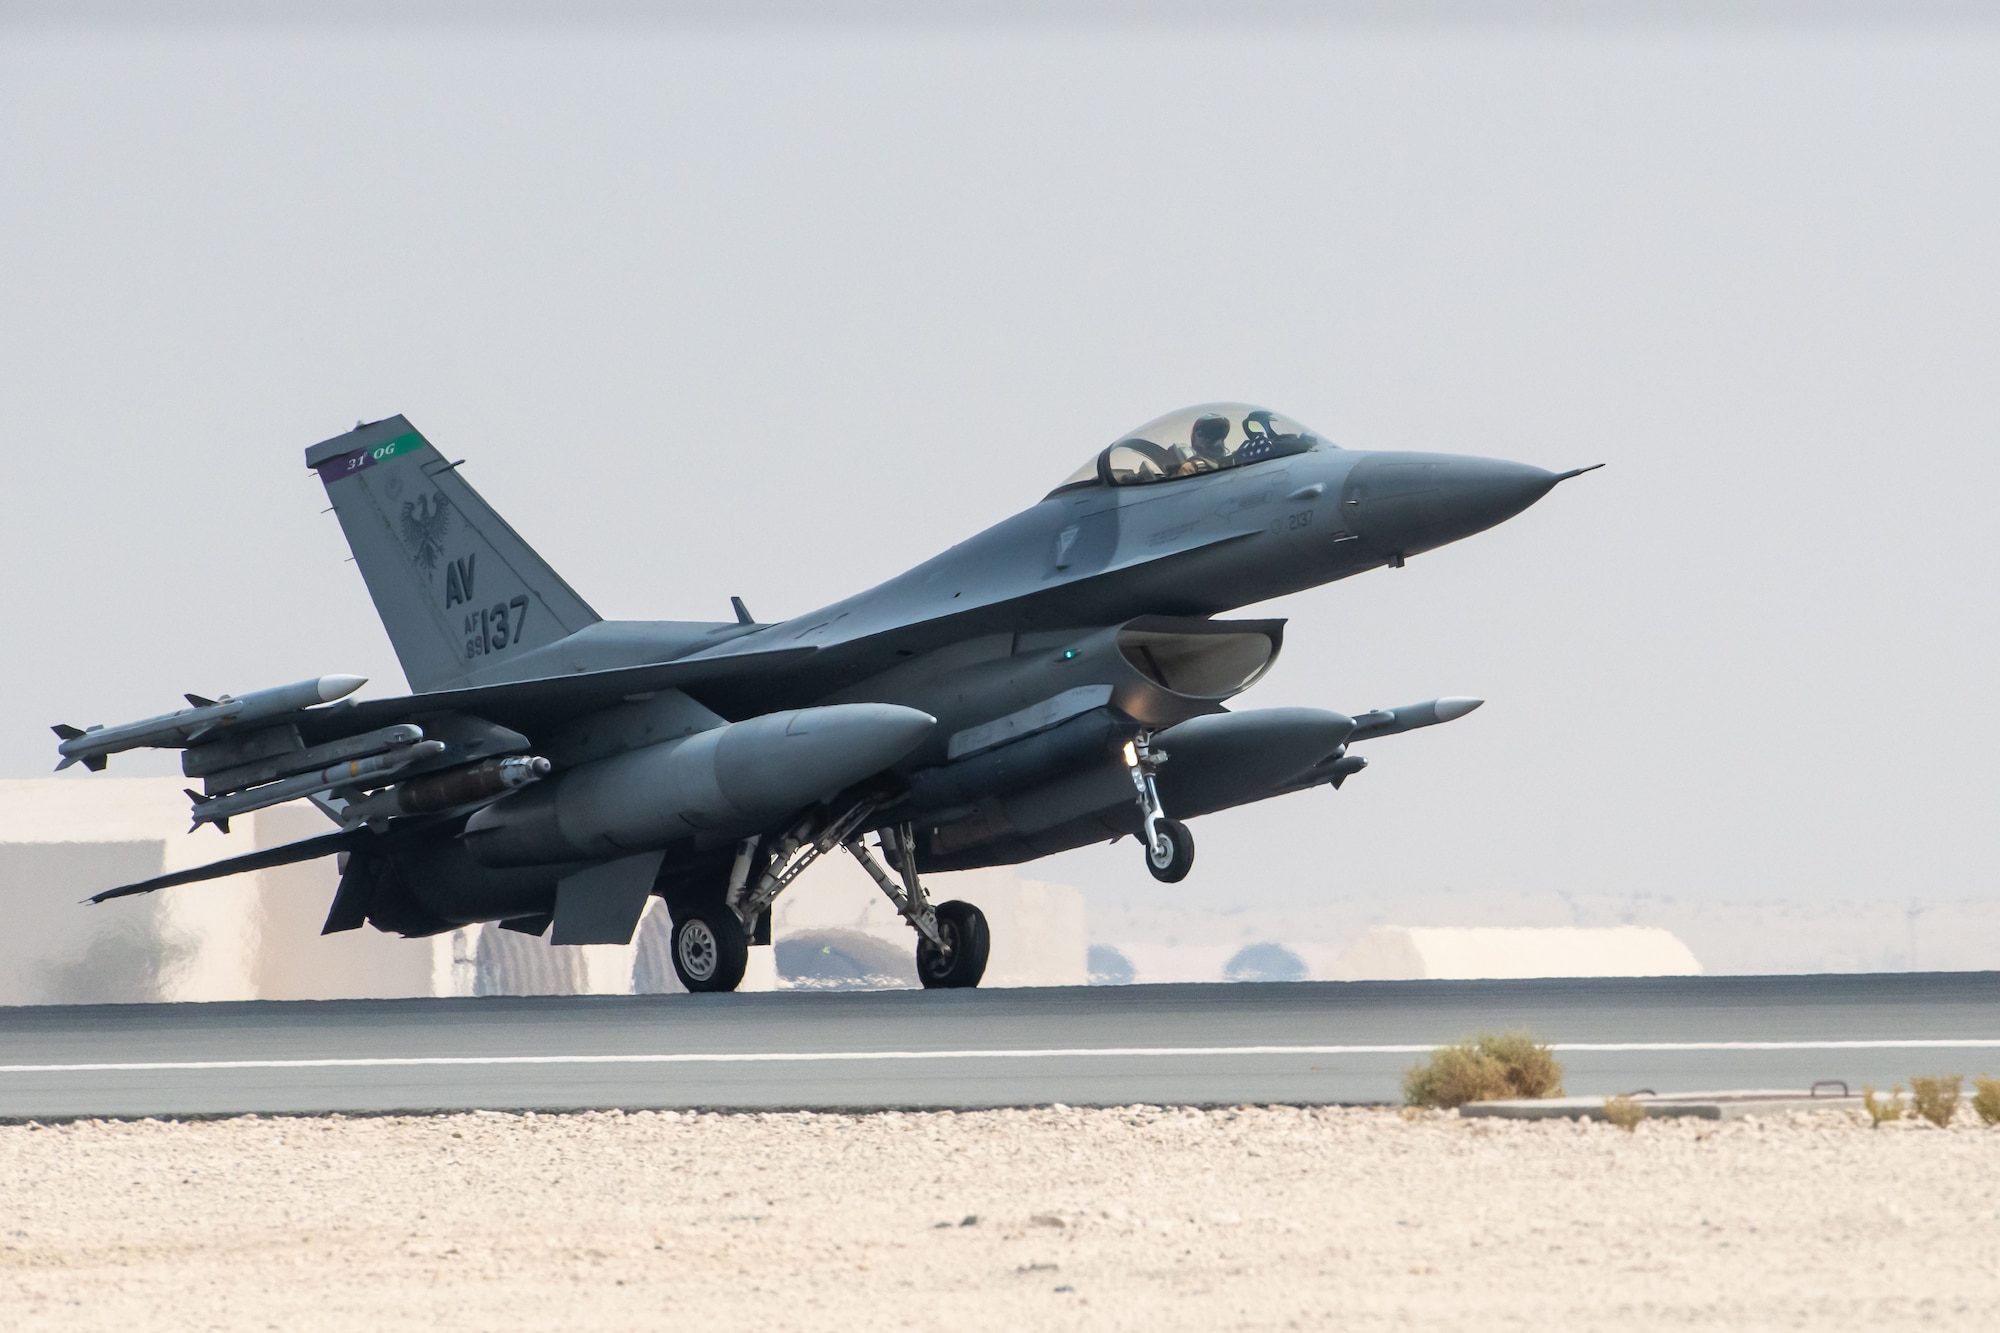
<point>1204,451</point>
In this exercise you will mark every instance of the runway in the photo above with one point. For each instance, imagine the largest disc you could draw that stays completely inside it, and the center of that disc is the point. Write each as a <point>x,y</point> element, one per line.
<point>1190,1045</point>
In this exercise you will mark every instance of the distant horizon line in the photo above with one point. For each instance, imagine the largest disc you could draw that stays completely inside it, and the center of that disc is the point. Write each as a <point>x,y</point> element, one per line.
<point>944,15</point>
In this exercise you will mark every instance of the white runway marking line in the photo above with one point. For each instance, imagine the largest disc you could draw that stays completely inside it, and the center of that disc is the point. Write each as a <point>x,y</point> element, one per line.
<point>1069,1052</point>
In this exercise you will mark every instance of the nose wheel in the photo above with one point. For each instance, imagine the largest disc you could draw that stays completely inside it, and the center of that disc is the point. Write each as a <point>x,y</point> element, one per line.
<point>1170,855</point>
<point>1168,844</point>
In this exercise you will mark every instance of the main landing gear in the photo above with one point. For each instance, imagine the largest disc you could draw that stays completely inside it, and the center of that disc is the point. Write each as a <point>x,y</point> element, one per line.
<point>711,945</point>
<point>1169,844</point>
<point>952,939</point>
<point>711,949</point>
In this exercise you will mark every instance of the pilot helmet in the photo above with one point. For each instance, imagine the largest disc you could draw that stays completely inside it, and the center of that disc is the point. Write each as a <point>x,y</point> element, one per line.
<point>1210,430</point>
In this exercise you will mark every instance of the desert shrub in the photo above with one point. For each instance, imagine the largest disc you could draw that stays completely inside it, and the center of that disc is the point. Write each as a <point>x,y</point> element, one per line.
<point>1936,1098</point>
<point>1986,1099</point>
<point>1491,1066</point>
<point>1624,1112</point>
<point>1880,1109</point>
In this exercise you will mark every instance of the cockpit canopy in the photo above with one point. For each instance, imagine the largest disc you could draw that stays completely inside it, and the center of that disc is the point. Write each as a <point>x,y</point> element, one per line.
<point>1192,442</point>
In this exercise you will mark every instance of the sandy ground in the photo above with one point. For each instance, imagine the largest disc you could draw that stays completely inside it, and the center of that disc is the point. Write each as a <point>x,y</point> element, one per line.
<point>1137,1218</point>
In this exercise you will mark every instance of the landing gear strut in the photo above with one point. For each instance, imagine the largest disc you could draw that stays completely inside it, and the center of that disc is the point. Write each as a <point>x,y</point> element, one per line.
<point>1169,845</point>
<point>952,940</point>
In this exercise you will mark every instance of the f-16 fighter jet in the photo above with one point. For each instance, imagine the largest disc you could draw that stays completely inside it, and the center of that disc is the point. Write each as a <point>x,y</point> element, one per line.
<point>1021,694</point>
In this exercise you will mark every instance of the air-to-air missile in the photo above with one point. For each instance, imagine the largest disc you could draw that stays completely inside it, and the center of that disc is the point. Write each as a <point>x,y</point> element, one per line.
<point>375,768</point>
<point>231,776</point>
<point>94,745</point>
<point>1392,721</point>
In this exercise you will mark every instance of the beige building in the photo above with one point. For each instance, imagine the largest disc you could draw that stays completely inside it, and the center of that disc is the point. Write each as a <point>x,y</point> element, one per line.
<point>1409,953</point>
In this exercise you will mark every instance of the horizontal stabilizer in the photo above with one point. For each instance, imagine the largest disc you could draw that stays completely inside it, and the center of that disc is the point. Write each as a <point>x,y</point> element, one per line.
<point>311,849</point>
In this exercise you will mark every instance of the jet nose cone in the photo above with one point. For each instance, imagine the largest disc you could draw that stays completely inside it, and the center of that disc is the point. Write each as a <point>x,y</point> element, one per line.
<point>1413,502</point>
<point>1480,492</point>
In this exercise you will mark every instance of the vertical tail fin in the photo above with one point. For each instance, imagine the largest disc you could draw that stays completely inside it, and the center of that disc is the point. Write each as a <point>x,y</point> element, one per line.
<point>457,589</point>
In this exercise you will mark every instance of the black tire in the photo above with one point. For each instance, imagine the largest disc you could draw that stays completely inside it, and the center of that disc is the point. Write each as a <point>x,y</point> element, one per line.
<point>710,949</point>
<point>1170,864</point>
<point>962,961</point>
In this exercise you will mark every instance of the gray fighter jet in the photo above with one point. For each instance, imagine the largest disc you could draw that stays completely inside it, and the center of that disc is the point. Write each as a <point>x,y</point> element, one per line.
<point>1016,696</point>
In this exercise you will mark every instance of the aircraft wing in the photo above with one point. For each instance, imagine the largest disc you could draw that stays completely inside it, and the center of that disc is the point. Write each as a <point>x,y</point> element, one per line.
<point>526,705</point>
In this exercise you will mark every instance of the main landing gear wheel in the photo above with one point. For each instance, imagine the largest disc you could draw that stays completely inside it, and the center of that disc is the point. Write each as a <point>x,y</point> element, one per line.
<point>962,960</point>
<point>1172,856</point>
<point>711,949</point>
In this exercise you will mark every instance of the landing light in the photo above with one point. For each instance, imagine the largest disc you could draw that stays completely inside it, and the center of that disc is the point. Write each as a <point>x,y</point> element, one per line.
<point>1131,756</point>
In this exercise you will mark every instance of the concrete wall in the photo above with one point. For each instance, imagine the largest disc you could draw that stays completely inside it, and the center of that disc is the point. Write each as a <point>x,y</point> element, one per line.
<point>62,839</point>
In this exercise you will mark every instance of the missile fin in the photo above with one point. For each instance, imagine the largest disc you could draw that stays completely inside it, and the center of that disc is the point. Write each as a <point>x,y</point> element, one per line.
<point>96,762</point>
<point>66,732</point>
<point>198,702</point>
<point>221,822</point>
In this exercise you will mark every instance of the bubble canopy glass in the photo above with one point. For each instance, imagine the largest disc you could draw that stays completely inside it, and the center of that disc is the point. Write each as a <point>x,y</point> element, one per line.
<point>1193,442</point>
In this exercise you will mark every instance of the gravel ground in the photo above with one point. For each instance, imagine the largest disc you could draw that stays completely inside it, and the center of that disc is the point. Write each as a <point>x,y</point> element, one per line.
<point>1133,1218</point>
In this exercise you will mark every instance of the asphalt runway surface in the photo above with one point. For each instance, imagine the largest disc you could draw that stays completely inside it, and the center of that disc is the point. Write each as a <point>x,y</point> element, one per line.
<point>1310,1042</point>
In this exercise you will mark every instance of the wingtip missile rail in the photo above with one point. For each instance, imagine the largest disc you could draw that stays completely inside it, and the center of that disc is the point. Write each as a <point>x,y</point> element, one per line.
<point>93,746</point>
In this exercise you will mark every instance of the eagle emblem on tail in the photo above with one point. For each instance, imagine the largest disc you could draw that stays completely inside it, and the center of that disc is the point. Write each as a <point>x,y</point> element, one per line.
<point>425,520</point>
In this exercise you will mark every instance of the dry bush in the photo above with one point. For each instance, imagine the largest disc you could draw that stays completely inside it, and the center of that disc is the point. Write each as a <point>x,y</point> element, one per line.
<point>1492,1066</point>
<point>1887,1108</point>
<point>1624,1112</point>
<point>1936,1098</point>
<point>1986,1099</point>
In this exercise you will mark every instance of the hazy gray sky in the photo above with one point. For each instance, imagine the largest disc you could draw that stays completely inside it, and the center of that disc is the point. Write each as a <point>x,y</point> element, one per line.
<point>781,310</point>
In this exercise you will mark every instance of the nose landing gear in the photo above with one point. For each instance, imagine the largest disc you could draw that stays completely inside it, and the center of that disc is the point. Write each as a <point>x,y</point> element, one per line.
<point>1169,845</point>
<point>1170,855</point>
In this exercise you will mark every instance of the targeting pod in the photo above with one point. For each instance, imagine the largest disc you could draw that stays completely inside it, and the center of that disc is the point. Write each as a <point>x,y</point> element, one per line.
<point>446,791</point>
